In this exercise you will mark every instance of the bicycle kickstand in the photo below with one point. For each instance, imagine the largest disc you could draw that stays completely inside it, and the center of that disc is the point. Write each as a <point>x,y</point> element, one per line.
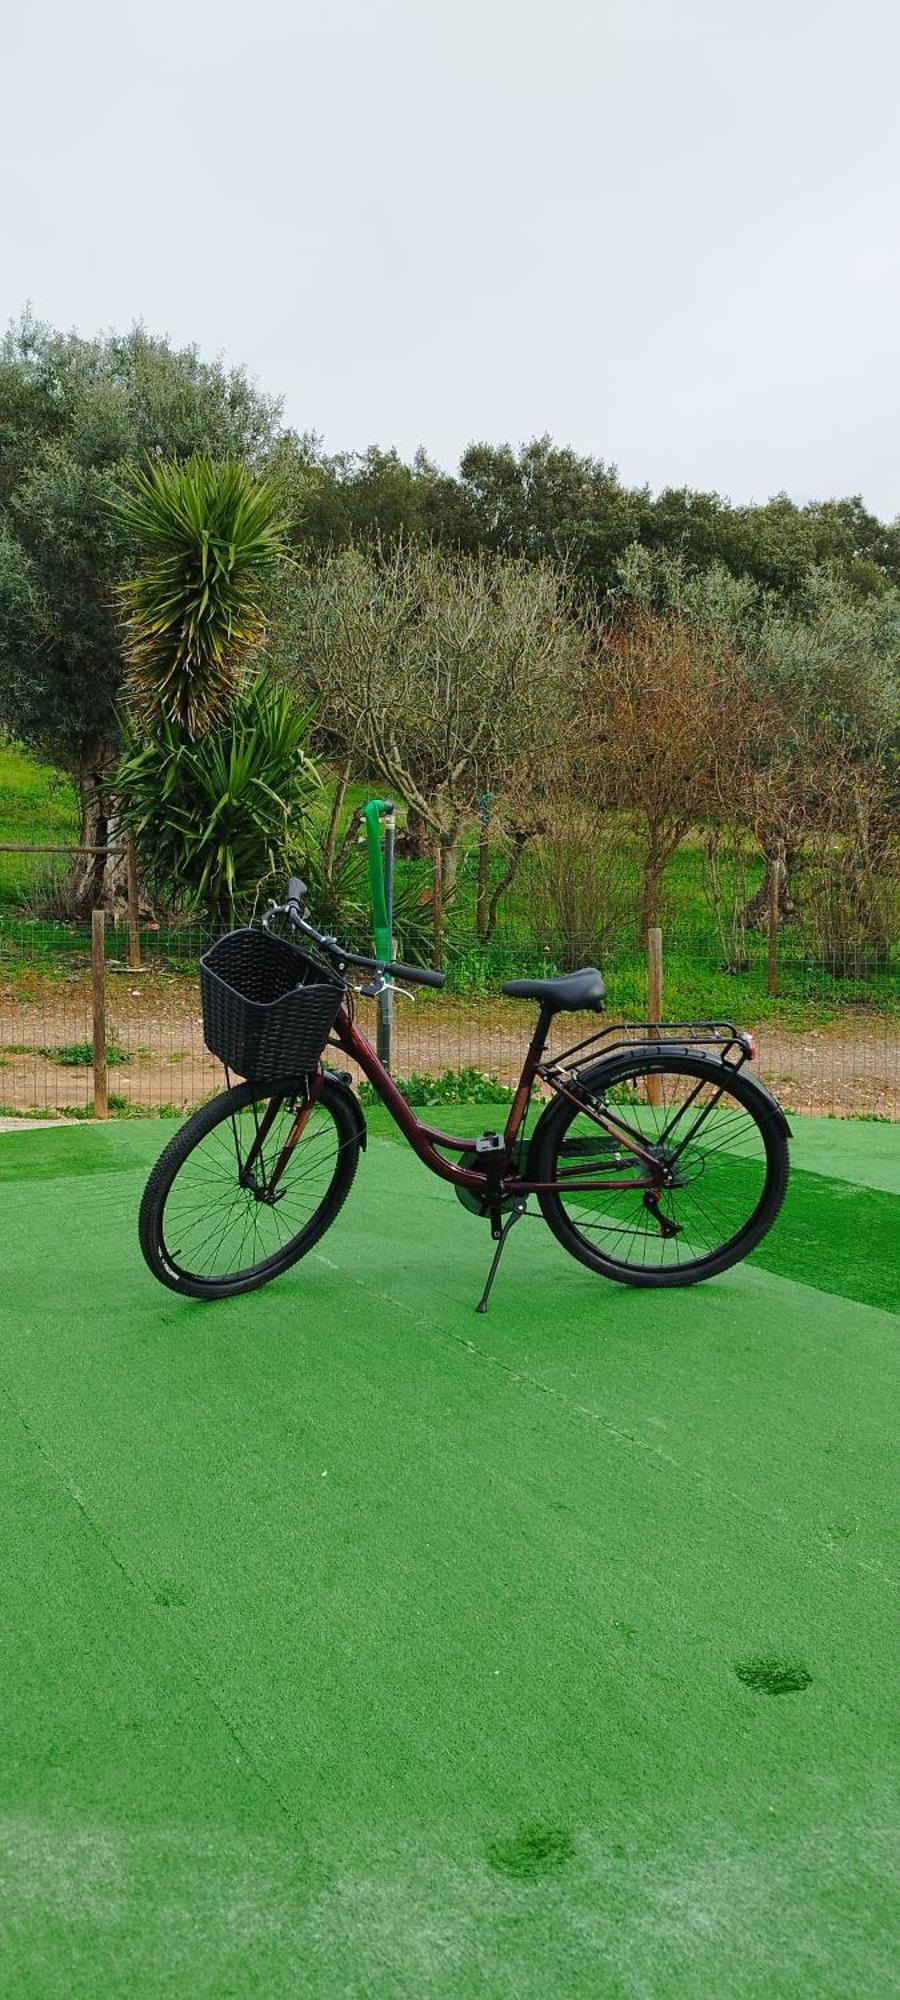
<point>517,1210</point>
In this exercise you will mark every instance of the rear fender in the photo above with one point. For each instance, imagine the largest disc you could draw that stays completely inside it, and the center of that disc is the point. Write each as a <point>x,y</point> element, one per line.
<point>600,1074</point>
<point>763,1091</point>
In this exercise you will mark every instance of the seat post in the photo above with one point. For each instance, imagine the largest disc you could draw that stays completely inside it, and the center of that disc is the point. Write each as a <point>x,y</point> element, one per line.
<point>521,1100</point>
<point>542,1030</point>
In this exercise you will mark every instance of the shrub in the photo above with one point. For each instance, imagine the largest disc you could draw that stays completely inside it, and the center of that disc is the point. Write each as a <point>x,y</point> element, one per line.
<point>212,815</point>
<point>210,540</point>
<point>453,1086</point>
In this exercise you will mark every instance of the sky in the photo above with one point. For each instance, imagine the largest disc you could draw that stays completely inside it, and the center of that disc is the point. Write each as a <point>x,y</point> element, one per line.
<point>663,231</point>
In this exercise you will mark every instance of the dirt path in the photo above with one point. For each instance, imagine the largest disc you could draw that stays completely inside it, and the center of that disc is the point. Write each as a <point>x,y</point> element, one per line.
<point>851,1067</point>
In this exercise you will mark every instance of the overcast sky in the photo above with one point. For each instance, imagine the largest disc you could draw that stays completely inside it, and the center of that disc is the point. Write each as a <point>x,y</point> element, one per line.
<point>665,231</point>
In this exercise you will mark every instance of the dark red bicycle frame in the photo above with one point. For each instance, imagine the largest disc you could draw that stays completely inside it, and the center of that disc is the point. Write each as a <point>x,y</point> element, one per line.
<point>425,1140</point>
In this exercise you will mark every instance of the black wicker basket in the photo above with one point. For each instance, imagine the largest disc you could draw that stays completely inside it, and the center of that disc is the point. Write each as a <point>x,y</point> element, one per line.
<point>268,1007</point>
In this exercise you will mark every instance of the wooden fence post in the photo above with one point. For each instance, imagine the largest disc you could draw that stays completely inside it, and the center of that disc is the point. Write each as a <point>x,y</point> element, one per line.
<point>98,1009</point>
<point>654,1003</point>
<point>134,907</point>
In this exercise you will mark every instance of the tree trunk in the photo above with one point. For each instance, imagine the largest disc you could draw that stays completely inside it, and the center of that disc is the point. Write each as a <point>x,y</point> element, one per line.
<point>337,807</point>
<point>437,906</point>
<point>779,860</point>
<point>445,854</point>
<point>520,842</point>
<point>450,847</point>
<point>96,881</point>
<point>415,841</point>
<point>654,865</point>
<point>482,890</point>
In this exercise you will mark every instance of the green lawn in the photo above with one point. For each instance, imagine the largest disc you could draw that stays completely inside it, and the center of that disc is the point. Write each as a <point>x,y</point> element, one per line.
<point>356,1648</point>
<point>37,807</point>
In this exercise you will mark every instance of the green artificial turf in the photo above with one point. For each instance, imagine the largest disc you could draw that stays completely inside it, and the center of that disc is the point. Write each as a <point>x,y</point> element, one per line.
<point>358,1648</point>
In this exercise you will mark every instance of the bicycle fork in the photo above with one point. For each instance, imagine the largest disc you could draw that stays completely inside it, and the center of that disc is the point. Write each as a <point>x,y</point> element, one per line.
<point>302,1115</point>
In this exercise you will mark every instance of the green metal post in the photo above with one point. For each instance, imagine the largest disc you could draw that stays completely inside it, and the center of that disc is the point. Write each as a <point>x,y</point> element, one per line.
<point>381,889</point>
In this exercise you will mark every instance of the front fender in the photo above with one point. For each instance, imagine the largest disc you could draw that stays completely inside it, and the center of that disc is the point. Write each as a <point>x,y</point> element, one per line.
<point>343,1081</point>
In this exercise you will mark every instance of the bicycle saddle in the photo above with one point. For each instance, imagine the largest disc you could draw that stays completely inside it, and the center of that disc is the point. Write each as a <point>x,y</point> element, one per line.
<point>569,993</point>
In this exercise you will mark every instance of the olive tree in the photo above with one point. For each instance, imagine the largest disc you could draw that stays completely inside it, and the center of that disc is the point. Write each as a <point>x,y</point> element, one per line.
<point>448,676</point>
<point>826,668</point>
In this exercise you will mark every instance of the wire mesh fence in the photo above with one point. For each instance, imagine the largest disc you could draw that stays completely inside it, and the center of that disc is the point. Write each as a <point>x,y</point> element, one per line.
<point>828,1037</point>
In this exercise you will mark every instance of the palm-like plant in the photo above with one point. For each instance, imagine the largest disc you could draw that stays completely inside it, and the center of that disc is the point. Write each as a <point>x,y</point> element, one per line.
<point>213,815</point>
<point>209,538</point>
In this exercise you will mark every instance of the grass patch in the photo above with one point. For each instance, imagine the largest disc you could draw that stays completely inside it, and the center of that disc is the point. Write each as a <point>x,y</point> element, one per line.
<point>126,1107</point>
<point>453,1086</point>
<point>80,1055</point>
<point>41,1111</point>
<point>37,807</point>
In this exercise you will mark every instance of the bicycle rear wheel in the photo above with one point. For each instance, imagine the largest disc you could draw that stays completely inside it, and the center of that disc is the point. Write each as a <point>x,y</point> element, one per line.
<point>230,1204</point>
<point>720,1140</point>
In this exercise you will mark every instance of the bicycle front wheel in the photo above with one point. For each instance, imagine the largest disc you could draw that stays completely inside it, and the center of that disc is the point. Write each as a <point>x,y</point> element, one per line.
<point>720,1141</point>
<point>247,1186</point>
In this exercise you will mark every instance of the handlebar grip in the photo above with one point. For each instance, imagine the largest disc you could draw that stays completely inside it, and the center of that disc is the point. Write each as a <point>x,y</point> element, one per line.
<point>418,975</point>
<point>296,891</point>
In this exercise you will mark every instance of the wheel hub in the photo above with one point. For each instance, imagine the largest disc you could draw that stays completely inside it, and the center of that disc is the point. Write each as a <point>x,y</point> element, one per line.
<point>677,1169</point>
<point>260,1192</point>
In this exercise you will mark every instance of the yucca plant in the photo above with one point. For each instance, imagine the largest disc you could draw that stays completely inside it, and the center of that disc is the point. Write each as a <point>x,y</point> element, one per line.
<point>212,815</point>
<point>209,538</point>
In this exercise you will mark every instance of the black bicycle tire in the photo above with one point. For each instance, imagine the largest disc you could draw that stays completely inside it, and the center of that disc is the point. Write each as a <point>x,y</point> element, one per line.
<point>556,1120</point>
<point>196,1128</point>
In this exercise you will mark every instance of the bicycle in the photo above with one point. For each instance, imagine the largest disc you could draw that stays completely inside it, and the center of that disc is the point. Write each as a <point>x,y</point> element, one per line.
<point>655,1159</point>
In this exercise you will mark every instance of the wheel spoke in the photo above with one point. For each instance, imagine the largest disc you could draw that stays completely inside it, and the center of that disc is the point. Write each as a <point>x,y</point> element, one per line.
<point>218,1228</point>
<point>703,1136</point>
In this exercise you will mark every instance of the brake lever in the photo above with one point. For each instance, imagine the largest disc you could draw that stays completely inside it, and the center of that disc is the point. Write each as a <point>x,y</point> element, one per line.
<point>375,991</point>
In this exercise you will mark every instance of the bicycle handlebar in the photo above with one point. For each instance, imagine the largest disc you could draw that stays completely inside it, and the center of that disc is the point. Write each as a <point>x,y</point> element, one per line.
<point>417,975</point>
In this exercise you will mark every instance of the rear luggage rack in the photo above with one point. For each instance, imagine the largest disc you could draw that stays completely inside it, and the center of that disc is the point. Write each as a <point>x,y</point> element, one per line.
<point>722,1036</point>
